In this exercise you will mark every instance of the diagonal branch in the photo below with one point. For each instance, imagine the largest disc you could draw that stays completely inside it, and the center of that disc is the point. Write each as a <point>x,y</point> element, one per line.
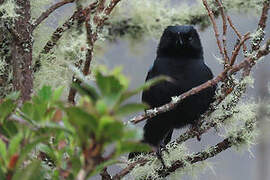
<point>193,158</point>
<point>261,26</point>
<point>45,14</point>
<point>79,16</point>
<point>238,47</point>
<point>236,32</point>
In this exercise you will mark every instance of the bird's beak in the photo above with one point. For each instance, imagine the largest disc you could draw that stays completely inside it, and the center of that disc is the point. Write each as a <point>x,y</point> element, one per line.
<point>180,40</point>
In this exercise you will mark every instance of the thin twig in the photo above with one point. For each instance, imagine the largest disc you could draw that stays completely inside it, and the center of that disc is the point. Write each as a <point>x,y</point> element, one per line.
<point>238,47</point>
<point>105,175</point>
<point>212,18</point>
<point>129,168</point>
<point>224,22</point>
<point>45,14</point>
<point>91,38</point>
<point>236,32</point>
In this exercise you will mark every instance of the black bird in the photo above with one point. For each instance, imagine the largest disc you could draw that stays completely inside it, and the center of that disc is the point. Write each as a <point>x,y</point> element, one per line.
<point>179,56</point>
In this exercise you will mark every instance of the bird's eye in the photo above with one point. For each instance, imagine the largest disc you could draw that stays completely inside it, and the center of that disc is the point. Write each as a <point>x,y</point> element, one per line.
<point>190,38</point>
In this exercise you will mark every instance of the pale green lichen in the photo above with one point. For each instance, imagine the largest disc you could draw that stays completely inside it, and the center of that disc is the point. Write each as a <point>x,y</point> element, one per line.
<point>39,6</point>
<point>150,169</point>
<point>245,138</point>
<point>226,108</point>
<point>70,49</point>
<point>149,18</point>
<point>7,9</point>
<point>177,152</point>
<point>192,170</point>
<point>3,65</point>
<point>257,37</point>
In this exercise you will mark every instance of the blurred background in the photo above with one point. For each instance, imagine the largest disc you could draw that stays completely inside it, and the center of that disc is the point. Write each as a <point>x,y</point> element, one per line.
<point>136,58</point>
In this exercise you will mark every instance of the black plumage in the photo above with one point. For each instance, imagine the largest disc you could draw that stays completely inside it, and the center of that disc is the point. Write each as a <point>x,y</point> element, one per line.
<point>179,56</point>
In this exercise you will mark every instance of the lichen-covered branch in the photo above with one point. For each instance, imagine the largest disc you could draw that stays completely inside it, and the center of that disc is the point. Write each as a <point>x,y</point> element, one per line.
<point>211,152</point>
<point>233,140</point>
<point>261,25</point>
<point>79,16</point>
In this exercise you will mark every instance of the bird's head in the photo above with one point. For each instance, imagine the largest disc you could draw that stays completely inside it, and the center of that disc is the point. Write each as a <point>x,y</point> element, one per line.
<point>180,41</point>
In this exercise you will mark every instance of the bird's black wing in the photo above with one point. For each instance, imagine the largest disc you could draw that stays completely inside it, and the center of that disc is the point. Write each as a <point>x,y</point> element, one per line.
<point>146,95</point>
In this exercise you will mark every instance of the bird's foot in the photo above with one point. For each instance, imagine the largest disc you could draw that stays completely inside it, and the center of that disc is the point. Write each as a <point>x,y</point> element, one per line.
<point>195,128</point>
<point>161,147</point>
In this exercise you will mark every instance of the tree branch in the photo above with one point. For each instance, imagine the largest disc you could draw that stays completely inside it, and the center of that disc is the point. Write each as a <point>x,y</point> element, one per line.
<point>261,26</point>
<point>224,21</point>
<point>193,158</point>
<point>45,14</point>
<point>79,16</point>
<point>212,18</point>
<point>105,175</point>
<point>236,32</point>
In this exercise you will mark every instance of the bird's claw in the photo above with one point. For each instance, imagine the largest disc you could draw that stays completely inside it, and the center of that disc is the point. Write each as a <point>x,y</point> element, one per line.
<point>194,128</point>
<point>161,147</point>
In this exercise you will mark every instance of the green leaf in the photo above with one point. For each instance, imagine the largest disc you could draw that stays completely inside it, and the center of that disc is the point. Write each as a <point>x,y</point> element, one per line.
<point>110,129</point>
<point>57,93</point>
<point>14,144</point>
<point>9,128</point>
<point>6,108</point>
<point>3,153</point>
<point>76,163</point>
<point>31,172</point>
<point>130,108</point>
<point>86,90</point>
<point>110,87</point>
<point>53,127</point>
<point>128,146</point>
<point>83,122</point>
<point>45,93</point>
<point>28,109</point>
<point>2,174</point>
<point>132,134</point>
<point>145,86</point>
<point>101,107</point>
<point>108,84</point>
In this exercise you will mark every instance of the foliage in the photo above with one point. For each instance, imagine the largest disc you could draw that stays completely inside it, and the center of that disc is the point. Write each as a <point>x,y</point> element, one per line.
<point>46,137</point>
